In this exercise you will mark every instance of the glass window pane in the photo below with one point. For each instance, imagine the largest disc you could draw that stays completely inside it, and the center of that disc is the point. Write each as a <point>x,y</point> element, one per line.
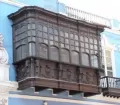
<point>24,51</point>
<point>72,42</point>
<point>29,26</point>
<point>39,33</point>
<point>45,35</point>
<point>44,29</point>
<point>45,41</point>
<point>75,57</point>
<point>85,59</point>
<point>71,36</point>
<point>66,34</point>
<point>62,39</point>
<point>54,53</point>
<point>43,51</point>
<point>82,44</point>
<point>61,33</point>
<point>67,46</point>
<point>72,47</point>
<point>32,49</point>
<point>51,42</point>
<point>51,37</point>
<point>76,43</point>
<point>95,47</point>
<point>56,38</point>
<point>86,39</point>
<point>64,55</point>
<point>56,32</point>
<point>33,26</point>
<point>86,45</point>
<point>81,38</point>
<point>67,41</point>
<point>62,45</point>
<point>94,61</point>
<point>95,41</point>
<point>51,30</point>
<point>82,50</point>
<point>18,53</point>
<point>56,43</point>
<point>91,40</point>
<point>40,27</point>
<point>77,48</point>
<point>40,40</point>
<point>91,46</point>
<point>76,37</point>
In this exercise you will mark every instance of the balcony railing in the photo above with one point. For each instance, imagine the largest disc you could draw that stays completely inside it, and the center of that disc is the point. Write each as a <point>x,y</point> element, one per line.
<point>110,86</point>
<point>82,15</point>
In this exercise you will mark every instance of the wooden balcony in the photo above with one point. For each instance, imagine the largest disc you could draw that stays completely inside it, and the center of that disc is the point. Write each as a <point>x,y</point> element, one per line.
<point>110,86</point>
<point>55,51</point>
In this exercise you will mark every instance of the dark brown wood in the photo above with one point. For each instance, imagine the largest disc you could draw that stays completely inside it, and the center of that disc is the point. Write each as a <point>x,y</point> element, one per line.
<point>55,51</point>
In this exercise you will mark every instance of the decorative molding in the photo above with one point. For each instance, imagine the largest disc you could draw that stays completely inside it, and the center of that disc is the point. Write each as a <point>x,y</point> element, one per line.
<point>3,52</point>
<point>14,3</point>
<point>3,100</point>
<point>5,87</point>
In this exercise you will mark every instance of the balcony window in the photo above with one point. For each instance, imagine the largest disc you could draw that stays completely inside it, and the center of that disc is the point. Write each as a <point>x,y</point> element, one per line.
<point>85,59</point>
<point>65,55</point>
<point>94,61</point>
<point>43,51</point>
<point>54,53</point>
<point>75,57</point>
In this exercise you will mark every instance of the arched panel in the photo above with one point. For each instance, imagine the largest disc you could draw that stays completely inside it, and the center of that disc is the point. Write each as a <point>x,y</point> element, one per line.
<point>32,49</point>
<point>75,57</point>
<point>85,59</point>
<point>43,51</point>
<point>18,53</point>
<point>54,53</point>
<point>94,61</point>
<point>65,55</point>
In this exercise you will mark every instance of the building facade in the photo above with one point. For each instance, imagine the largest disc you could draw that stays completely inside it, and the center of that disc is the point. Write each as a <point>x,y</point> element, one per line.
<point>63,52</point>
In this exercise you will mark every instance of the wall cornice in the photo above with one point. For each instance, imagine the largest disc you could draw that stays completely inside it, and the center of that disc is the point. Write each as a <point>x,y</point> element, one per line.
<point>7,86</point>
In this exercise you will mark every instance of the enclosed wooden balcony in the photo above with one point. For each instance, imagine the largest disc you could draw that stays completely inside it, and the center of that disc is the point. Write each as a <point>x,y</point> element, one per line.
<point>54,51</point>
<point>110,86</point>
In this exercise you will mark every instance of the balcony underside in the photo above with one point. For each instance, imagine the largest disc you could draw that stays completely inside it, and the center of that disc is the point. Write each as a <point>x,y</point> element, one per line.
<point>110,86</point>
<point>58,86</point>
<point>112,92</point>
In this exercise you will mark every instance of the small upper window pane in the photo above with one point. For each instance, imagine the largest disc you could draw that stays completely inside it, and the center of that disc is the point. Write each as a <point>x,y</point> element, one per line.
<point>56,38</point>
<point>76,37</point>
<point>39,27</point>
<point>45,29</point>
<point>81,38</point>
<point>61,33</point>
<point>56,32</point>
<point>66,34</point>
<point>51,30</point>
<point>86,39</point>
<point>91,40</point>
<point>71,36</point>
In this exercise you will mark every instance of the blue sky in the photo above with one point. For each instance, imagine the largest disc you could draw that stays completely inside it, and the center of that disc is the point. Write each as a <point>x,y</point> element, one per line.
<point>105,8</point>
